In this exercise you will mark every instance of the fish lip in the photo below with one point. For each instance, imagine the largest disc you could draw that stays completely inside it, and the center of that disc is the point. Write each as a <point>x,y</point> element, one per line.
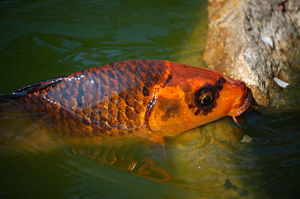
<point>246,104</point>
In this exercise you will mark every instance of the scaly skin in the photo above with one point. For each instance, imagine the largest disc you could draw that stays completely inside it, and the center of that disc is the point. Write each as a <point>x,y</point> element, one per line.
<point>146,98</point>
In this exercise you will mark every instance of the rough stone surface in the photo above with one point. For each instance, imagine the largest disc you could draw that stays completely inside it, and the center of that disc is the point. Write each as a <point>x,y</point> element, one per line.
<point>255,41</point>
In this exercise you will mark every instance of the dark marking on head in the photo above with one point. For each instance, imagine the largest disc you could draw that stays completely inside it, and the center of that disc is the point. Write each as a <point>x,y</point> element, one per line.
<point>197,112</point>
<point>170,107</point>
<point>145,91</point>
<point>191,106</point>
<point>219,83</point>
<point>186,87</point>
<point>202,105</point>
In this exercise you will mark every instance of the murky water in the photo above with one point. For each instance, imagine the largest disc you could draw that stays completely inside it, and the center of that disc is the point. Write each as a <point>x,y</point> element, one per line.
<point>44,39</point>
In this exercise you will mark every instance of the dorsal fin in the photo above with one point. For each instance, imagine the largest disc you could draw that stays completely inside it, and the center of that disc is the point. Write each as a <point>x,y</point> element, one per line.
<point>22,92</point>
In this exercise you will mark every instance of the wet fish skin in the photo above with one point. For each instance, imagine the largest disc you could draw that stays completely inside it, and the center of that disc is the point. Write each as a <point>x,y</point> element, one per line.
<point>146,98</point>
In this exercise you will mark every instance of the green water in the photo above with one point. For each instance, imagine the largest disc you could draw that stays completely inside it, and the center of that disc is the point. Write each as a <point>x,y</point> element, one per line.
<point>45,39</point>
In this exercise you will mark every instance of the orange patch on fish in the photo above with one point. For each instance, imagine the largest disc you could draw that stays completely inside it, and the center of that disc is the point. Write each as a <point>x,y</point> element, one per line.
<point>143,98</point>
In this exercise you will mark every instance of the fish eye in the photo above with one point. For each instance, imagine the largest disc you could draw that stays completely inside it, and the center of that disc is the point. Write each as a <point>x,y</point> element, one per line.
<point>206,98</point>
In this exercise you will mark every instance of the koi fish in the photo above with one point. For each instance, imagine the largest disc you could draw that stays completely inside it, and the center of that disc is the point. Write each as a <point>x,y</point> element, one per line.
<point>143,98</point>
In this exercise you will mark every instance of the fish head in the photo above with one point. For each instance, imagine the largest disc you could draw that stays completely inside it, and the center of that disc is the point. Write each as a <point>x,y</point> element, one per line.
<point>195,96</point>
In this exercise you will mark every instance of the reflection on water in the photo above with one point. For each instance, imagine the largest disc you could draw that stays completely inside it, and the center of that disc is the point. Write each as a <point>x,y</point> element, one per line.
<point>44,39</point>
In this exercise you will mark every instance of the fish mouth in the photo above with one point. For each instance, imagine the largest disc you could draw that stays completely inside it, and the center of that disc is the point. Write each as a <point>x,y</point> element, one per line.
<point>245,105</point>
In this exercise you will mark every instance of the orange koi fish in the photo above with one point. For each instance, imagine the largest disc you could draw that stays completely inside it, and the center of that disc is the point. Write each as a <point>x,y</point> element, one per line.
<point>143,98</point>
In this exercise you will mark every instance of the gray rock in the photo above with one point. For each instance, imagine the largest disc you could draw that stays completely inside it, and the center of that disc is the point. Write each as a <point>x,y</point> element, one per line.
<point>257,41</point>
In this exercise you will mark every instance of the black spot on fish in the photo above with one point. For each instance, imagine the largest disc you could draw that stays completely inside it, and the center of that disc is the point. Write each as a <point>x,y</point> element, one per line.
<point>191,106</point>
<point>171,108</point>
<point>145,91</point>
<point>219,83</point>
<point>197,112</point>
<point>168,80</point>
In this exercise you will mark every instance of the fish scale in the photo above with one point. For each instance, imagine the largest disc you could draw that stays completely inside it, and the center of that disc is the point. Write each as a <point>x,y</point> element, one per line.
<point>105,100</point>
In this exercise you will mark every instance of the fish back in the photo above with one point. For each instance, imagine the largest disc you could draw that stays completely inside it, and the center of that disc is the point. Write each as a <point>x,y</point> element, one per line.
<point>109,100</point>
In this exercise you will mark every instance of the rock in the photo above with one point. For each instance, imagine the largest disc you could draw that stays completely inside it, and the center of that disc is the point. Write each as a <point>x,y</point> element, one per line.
<point>256,41</point>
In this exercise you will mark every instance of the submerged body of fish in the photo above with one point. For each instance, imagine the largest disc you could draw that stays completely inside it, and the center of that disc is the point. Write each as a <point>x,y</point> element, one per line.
<point>146,98</point>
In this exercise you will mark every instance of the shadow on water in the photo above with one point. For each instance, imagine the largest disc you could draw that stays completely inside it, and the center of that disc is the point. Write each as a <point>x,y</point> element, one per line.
<point>275,147</point>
